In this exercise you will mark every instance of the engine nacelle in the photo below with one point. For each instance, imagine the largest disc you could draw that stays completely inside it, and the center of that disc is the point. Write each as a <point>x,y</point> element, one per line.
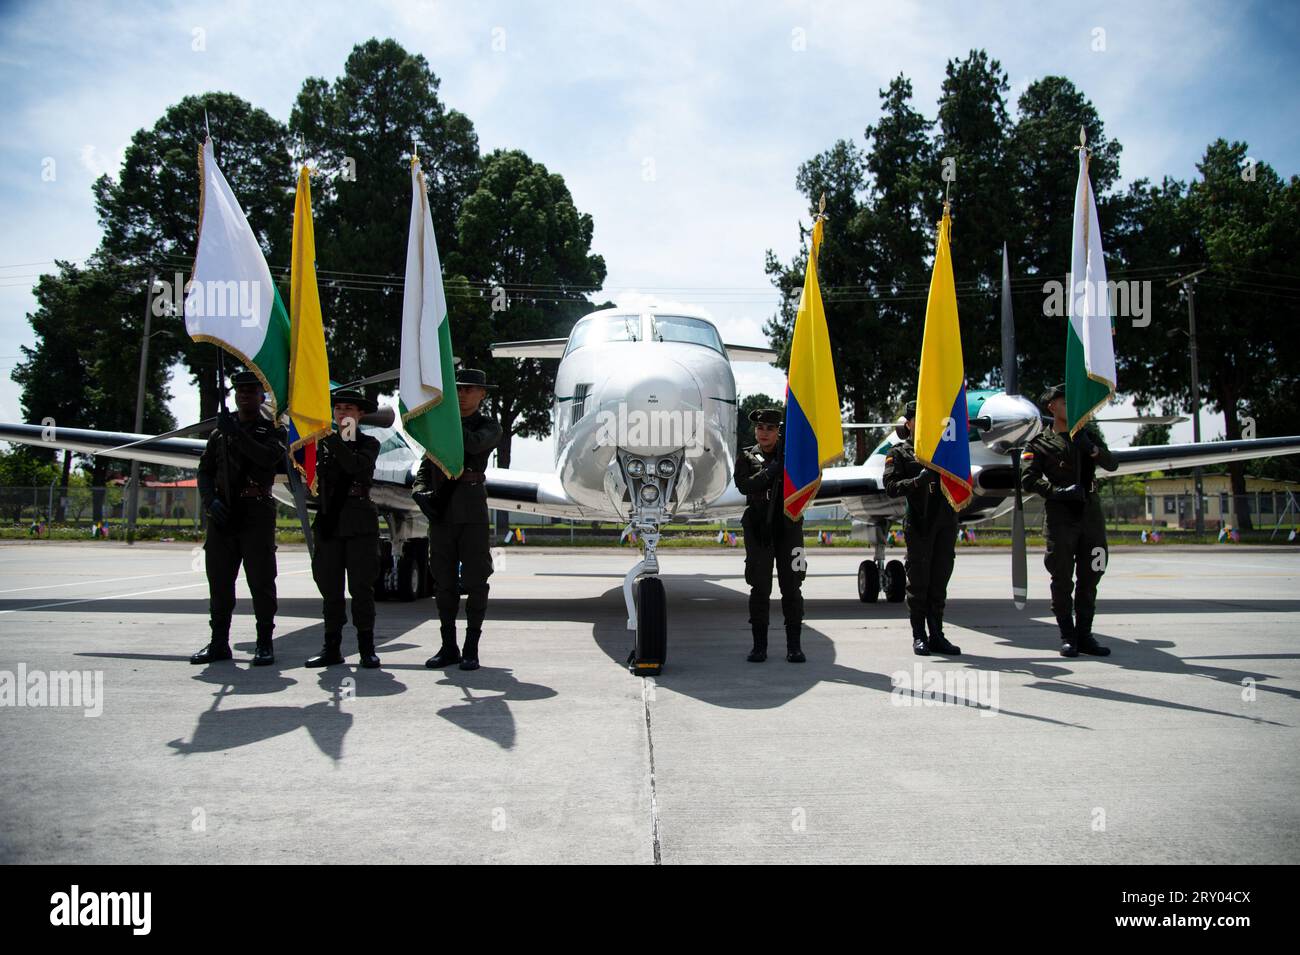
<point>1008,421</point>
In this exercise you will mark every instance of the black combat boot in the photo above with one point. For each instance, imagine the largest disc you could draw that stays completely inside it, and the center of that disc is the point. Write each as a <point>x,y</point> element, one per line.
<point>759,653</point>
<point>793,651</point>
<point>217,649</point>
<point>1086,643</point>
<point>920,642</point>
<point>938,642</point>
<point>1069,641</point>
<point>366,649</point>
<point>329,653</point>
<point>449,654</point>
<point>469,656</point>
<point>263,656</point>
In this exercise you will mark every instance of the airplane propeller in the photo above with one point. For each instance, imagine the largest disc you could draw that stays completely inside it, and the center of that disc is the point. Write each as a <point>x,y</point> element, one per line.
<point>382,418</point>
<point>1011,384</point>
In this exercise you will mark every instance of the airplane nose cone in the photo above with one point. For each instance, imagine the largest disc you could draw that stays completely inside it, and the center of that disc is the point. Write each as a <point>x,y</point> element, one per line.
<point>656,408</point>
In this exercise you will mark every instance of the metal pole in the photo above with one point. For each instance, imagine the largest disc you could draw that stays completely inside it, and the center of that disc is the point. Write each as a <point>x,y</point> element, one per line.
<point>1196,406</point>
<point>134,491</point>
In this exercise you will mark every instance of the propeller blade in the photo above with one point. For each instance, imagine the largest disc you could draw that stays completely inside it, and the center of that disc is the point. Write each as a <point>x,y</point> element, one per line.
<point>207,424</point>
<point>1010,380</point>
<point>1019,571</point>
<point>1147,419</point>
<point>391,375</point>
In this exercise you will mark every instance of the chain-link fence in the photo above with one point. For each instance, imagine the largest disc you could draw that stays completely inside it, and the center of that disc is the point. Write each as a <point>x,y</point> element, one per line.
<point>1162,513</point>
<point>165,506</point>
<point>176,508</point>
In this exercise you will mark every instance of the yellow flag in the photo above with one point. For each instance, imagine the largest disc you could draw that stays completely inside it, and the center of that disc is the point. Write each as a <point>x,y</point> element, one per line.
<point>310,413</point>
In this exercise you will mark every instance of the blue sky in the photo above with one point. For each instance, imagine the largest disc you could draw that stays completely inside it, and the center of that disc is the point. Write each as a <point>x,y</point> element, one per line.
<point>722,100</point>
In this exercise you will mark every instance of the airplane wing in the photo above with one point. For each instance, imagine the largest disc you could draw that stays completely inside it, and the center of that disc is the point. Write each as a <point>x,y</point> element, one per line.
<point>534,348</point>
<point>750,353</point>
<point>177,452</point>
<point>1167,456</point>
<point>845,482</point>
<point>532,492</point>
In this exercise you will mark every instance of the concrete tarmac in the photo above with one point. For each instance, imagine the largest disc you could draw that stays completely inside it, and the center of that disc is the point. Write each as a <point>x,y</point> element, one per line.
<point>1182,746</point>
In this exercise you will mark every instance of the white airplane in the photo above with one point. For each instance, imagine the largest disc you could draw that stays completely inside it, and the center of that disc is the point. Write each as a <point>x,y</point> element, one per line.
<point>644,422</point>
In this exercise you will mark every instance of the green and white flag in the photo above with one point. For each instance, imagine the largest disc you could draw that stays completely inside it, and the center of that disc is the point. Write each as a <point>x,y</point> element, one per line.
<point>230,300</point>
<point>427,380</point>
<point>1090,344</point>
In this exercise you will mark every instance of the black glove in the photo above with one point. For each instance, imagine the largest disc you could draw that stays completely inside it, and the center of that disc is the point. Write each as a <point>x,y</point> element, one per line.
<point>1085,443</point>
<point>218,512</point>
<point>226,423</point>
<point>1072,493</point>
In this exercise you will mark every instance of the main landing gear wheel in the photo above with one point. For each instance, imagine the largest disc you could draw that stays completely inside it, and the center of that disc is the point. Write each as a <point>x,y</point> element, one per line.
<point>895,581</point>
<point>868,582</point>
<point>651,646</point>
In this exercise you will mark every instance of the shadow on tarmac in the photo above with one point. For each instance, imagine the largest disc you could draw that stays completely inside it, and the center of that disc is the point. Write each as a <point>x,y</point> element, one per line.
<point>707,645</point>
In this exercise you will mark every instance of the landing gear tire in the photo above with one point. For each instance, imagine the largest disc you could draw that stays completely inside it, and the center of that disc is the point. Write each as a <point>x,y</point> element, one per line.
<point>895,581</point>
<point>651,648</point>
<point>408,577</point>
<point>382,590</point>
<point>868,582</point>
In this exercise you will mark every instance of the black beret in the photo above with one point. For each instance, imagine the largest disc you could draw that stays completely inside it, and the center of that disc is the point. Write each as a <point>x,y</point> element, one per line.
<point>765,416</point>
<point>909,410</point>
<point>1055,391</point>
<point>245,378</point>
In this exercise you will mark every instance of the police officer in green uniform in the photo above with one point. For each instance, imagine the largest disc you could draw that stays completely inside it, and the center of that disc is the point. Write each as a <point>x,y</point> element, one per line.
<point>1063,470</point>
<point>459,549</point>
<point>236,472</point>
<point>346,529</point>
<point>930,528</point>
<point>770,536</point>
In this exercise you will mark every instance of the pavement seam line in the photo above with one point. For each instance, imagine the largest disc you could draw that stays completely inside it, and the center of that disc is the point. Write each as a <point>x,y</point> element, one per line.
<point>647,685</point>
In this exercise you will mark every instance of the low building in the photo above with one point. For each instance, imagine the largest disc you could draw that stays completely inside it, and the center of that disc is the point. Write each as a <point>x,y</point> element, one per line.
<point>1171,501</point>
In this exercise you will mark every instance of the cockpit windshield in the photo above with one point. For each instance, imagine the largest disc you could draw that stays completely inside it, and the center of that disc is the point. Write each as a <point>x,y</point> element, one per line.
<point>680,328</point>
<point>600,329</point>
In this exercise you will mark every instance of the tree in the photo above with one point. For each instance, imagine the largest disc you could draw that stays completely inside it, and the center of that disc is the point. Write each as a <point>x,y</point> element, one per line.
<point>519,233</point>
<point>872,268</point>
<point>150,215</point>
<point>972,146</point>
<point>1150,435</point>
<point>357,134</point>
<point>81,372</point>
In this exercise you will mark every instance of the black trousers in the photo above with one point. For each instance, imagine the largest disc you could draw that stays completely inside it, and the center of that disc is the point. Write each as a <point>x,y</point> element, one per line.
<point>759,558</point>
<point>251,543</point>
<point>355,558</point>
<point>931,553</point>
<point>1076,557</point>
<point>460,552</point>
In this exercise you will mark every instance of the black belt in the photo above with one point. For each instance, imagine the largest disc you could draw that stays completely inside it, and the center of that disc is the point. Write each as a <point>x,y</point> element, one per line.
<point>472,477</point>
<point>255,490</point>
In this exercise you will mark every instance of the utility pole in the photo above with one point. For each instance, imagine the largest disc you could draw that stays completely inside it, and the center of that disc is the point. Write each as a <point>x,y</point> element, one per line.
<point>1189,286</point>
<point>133,495</point>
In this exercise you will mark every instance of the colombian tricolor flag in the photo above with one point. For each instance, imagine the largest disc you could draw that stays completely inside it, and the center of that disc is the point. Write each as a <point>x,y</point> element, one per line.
<point>942,427</point>
<point>813,433</point>
<point>310,412</point>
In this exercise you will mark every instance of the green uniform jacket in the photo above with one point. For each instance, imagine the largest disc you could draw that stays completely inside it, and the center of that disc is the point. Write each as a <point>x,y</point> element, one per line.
<point>761,478</point>
<point>462,501</point>
<point>255,454</point>
<point>342,467</point>
<point>1053,461</point>
<point>905,476</point>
